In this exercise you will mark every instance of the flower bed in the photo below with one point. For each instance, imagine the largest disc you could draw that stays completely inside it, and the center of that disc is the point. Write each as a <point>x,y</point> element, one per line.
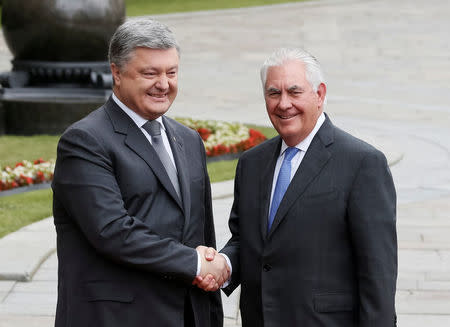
<point>26,173</point>
<point>219,138</point>
<point>222,138</point>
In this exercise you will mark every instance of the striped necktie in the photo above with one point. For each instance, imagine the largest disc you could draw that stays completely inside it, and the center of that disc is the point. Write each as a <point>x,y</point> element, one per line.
<point>153,127</point>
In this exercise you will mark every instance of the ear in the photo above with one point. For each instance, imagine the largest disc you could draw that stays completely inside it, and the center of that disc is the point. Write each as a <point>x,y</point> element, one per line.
<point>115,74</point>
<point>321,93</point>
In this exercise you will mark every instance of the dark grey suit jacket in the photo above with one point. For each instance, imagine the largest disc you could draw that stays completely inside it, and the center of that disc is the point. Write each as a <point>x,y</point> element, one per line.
<point>330,258</point>
<point>125,241</point>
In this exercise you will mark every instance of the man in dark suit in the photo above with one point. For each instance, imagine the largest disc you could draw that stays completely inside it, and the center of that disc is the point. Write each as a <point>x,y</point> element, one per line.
<point>313,220</point>
<point>132,200</point>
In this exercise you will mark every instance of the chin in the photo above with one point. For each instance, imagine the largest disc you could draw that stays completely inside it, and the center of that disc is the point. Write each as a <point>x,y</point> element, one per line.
<point>290,134</point>
<point>158,107</point>
<point>289,131</point>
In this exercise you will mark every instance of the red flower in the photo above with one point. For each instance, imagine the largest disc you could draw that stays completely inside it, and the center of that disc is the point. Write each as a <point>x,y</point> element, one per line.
<point>255,138</point>
<point>39,177</point>
<point>204,133</point>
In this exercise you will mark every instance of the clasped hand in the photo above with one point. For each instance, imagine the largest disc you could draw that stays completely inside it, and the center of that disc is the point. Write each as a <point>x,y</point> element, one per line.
<point>214,269</point>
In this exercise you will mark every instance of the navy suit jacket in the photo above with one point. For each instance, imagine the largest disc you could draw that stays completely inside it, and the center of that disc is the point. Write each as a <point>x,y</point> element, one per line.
<point>330,258</point>
<point>125,241</point>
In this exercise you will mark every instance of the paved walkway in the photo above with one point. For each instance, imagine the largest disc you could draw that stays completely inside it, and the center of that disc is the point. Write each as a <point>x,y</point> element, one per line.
<point>388,70</point>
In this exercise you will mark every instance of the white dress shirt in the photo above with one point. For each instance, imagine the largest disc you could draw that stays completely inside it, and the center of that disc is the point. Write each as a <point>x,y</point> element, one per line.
<point>140,121</point>
<point>297,159</point>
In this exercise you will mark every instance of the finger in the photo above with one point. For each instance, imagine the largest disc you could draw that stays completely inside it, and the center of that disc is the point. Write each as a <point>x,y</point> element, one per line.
<point>225,273</point>
<point>201,248</point>
<point>210,253</point>
<point>221,280</point>
<point>206,282</point>
<point>212,287</point>
<point>197,280</point>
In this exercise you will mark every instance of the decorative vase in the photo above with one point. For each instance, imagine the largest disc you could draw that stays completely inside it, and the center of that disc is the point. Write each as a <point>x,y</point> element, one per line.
<point>60,30</point>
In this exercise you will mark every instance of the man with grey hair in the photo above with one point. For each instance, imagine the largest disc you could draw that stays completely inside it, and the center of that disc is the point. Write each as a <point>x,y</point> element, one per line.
<point>313,220</point>
<point>132,201</point>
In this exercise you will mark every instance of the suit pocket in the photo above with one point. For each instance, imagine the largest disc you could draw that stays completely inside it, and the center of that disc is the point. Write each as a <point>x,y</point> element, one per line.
<point>333,302</point>
<point>320,194</point>
<point>107,291</point>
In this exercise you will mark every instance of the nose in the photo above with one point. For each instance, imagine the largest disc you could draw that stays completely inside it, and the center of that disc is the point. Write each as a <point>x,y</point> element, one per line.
<point>163,82</point>
<point>285,101</point>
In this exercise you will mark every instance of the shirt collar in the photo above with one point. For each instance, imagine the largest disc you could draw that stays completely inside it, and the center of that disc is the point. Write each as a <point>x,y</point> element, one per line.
<point>138,120</point>
<point>304,145</point>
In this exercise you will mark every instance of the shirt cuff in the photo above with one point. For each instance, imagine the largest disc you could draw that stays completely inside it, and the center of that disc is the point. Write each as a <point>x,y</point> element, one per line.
<point>231,270</point>
<point>199,264</point>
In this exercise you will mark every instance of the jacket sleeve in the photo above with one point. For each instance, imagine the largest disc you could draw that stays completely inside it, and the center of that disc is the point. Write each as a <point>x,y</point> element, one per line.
<point>216,311</point>
<point>86,187</point>
<point>372,221</point>
<point>232,247</point>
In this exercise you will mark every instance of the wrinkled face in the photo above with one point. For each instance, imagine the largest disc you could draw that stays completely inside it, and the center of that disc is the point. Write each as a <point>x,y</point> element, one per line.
<point>291,102</point>
<point>148,83</point>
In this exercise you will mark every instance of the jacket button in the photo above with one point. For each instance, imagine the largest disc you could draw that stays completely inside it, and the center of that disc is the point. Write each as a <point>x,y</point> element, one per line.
<point>267,267</point>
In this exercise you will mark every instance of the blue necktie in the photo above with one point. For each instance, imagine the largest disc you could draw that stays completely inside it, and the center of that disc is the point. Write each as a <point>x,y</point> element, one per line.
<point>284,178</point>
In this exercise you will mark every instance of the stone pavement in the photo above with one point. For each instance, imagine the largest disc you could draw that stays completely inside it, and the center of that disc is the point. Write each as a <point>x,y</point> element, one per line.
<point>388,69</point>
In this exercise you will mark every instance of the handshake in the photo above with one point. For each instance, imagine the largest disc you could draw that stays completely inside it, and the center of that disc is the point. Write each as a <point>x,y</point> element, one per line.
<point>214,270</point>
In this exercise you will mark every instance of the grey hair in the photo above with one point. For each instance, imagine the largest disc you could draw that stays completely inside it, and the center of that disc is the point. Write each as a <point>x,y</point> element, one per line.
<point>313,71</point>
<point>139,32</point>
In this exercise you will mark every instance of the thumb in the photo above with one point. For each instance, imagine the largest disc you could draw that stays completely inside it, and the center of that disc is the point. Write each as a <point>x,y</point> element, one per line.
<point>210,253</point>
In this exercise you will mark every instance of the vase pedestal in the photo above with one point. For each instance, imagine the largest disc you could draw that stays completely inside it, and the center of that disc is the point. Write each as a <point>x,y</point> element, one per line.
<point>30,111</point>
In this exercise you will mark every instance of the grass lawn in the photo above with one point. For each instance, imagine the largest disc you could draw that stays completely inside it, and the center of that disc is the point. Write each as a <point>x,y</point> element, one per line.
<point>145,7</point>
<point>225,170</point>
<point>17,148</point>
<point>14,214</point>
<point>23,209</point>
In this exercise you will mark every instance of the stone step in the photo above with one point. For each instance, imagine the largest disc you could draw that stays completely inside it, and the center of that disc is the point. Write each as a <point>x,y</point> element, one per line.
<point>424,234</point>
<point>22,252</point>
<point>423,302</point>
<point>424,261</point>
<point>412,281</point>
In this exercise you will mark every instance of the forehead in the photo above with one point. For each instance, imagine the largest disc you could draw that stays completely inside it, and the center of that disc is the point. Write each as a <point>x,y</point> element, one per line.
<point>289,73</point>
<point>154,57</point>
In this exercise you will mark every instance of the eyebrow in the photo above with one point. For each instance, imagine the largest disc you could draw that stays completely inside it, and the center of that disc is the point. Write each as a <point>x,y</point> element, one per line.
<point>151,68</point>
<point>272,90</point>
<point>294,88</point>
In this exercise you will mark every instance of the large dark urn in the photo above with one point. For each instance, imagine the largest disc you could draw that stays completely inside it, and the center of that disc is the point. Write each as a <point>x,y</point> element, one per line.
<point>60,69</point>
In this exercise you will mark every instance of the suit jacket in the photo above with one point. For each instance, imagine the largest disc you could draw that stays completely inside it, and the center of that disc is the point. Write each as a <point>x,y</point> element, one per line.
<point>125,241</point>
<point>330,258</point>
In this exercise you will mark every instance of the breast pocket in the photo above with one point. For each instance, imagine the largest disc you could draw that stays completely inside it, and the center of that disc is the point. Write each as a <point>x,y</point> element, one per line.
<point>320,195</point>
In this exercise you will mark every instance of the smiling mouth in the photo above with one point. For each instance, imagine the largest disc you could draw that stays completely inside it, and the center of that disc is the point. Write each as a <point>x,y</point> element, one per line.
<point>158,96</point>
<point>286,117</point>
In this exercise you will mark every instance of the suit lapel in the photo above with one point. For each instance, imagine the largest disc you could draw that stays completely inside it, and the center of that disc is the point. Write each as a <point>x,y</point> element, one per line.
<point>179,154</point>
<point>136,141</point>
<point>313,162</point>
<point>265,186</point>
